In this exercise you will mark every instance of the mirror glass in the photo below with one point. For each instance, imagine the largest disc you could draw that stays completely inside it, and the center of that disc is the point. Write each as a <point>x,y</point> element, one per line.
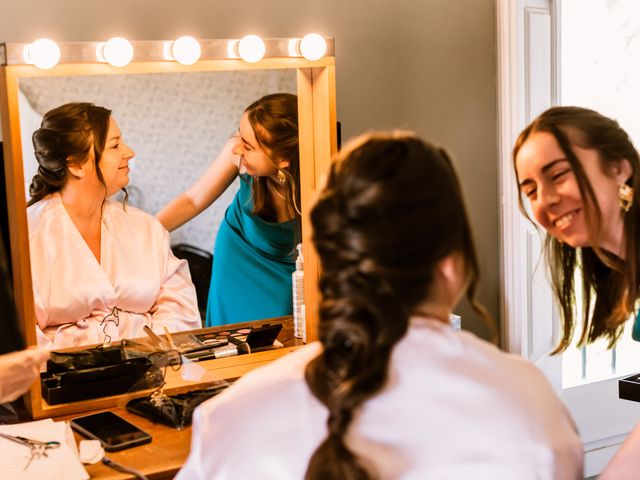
<point>175,122</point>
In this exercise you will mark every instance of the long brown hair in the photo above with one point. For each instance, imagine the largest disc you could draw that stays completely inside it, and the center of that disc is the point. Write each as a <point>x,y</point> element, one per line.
<point>611,280</point>
<point>391,209</point>
<point>274,119</point>
<point>67,136</point>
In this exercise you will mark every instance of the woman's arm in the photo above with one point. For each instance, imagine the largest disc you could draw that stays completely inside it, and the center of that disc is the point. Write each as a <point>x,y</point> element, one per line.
<point>215,180</point>
<point>18,370</point>
<point>625,464</point>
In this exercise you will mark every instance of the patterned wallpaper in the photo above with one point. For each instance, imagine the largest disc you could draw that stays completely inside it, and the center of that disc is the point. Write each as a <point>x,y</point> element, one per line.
<point>176,123</point>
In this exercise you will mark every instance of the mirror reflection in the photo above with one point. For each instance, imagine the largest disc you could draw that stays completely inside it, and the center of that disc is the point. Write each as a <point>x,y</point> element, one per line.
<point>175,124</point>
<point>254,250</point>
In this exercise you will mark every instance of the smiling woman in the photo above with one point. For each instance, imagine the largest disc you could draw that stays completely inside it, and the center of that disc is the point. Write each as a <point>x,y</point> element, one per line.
<point>580,173</point>
<point>101,270</point>
<point>114,163</point>
<point>548,181</point>
<point>255,245</point>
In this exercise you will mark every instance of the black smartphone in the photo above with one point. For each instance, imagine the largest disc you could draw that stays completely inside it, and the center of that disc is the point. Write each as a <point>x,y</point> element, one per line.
<point>113,431</point>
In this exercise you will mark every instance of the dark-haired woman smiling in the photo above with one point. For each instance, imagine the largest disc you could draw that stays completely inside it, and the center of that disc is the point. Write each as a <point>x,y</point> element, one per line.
<point>580,174</point>
<point>255,246</point>
<point>390,391</point>
<point>101,270</point>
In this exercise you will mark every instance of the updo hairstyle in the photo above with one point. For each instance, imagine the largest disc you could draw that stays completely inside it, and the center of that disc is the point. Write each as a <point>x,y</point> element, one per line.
<point>67,136</point>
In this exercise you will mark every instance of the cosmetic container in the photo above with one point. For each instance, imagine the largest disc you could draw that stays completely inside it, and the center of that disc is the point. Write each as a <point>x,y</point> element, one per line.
<point>297,279</point>
<point>455,321</point>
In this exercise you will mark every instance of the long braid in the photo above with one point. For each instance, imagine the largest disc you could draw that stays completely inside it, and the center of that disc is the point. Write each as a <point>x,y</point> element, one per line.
<point>386,216</point>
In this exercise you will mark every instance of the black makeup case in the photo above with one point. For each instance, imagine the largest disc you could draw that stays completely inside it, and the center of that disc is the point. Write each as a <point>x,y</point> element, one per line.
<point>96,372</point>
<point>175,411</point>
<point>629,388</point>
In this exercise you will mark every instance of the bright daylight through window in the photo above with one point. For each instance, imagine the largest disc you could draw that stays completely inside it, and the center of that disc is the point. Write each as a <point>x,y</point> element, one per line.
<point>600,69</point>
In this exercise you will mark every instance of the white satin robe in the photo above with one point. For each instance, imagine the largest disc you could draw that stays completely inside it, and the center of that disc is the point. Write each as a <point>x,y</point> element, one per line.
<point>138,280</point>
<point>455,407</point>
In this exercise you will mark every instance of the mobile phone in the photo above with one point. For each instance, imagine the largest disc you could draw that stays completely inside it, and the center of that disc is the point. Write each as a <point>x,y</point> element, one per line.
<point>113,431</point>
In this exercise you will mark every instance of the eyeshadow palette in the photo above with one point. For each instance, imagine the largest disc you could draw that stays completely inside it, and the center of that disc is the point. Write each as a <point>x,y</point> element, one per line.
<point>188,343</point>
<point>259,337</point>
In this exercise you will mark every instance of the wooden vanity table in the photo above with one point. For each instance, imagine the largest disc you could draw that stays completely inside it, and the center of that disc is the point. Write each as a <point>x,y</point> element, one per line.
<point>160,459</point>
<point>169,448</point>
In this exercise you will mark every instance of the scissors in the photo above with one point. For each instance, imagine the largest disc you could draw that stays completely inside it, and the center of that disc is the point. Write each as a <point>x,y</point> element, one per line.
<point>37,448</point>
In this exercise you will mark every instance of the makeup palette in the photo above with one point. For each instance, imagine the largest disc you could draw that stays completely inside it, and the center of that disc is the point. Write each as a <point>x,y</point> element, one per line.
<point>258,337</point>
<point>225,343</point>
<point>188,343</point>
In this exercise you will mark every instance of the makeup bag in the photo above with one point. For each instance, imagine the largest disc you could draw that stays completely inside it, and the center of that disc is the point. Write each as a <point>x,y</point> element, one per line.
<point>175,411</point>
<point>97,372</point>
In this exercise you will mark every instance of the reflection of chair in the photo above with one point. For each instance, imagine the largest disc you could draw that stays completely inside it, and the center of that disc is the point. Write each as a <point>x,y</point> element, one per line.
<point>200,265</point>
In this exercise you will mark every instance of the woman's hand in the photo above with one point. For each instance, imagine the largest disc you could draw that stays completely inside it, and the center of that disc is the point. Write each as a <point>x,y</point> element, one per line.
<point>18,370</point>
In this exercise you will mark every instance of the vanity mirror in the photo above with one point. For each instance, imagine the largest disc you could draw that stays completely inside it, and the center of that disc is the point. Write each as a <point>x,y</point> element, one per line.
<point>176,117</point>
<point>176,123</point>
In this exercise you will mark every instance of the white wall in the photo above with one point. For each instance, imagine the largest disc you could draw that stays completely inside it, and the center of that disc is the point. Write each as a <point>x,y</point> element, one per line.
<point>426,65</point>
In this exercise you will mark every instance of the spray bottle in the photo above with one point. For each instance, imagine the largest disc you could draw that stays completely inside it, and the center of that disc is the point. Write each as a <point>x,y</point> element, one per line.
<point>297,279</point>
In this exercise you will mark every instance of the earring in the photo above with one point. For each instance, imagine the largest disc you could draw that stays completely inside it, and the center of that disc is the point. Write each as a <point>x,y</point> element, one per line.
<point>281,177</point>
<point>625,196</point>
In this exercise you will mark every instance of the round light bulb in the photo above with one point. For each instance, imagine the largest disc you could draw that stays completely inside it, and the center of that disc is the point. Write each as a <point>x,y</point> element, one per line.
<point>251,48</point>
<point>43,53</point>
<point>313,46</point>
<point>186,50</point>
<point>118,51</point>
<point>293,47</point>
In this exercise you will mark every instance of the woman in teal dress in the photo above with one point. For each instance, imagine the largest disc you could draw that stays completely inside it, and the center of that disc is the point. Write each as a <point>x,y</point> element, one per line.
<point>254,254</point>
<point>579,173</point>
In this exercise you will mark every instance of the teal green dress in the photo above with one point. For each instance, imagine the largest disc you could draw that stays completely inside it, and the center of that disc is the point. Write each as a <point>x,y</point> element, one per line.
<point>252,264</point>
<point>635,332</point>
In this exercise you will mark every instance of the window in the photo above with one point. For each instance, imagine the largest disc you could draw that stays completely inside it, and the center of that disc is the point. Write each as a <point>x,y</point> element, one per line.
<point>600,69</point>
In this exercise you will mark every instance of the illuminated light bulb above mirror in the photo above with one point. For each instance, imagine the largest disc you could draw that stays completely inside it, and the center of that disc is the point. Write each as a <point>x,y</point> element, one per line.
<point>119,52</point>
<point>313,46</point>
<point>43,53</point>
<point>251,48</point>
<point>186,50</point>
<point>116,51</point>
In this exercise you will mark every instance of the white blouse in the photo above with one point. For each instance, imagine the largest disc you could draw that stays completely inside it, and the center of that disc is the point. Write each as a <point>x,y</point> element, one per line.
<point>455,407</point>
<point>137,282</point>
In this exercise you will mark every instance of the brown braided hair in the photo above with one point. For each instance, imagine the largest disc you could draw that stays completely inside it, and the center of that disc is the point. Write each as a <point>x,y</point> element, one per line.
<point>392,209</point>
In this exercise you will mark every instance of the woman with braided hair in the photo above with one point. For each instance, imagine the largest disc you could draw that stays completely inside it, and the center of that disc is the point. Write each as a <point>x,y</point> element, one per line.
<point>390,390</point>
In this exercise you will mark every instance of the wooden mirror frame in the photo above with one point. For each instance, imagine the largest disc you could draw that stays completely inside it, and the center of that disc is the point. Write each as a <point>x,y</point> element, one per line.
<point>317,143</point>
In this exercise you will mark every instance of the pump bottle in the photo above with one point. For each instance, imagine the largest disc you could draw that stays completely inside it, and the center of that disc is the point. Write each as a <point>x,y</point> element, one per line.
<point>297,279</point>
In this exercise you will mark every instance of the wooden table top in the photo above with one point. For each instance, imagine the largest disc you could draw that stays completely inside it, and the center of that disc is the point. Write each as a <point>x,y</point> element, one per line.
<point>169,448</point>
<point>160,459</point>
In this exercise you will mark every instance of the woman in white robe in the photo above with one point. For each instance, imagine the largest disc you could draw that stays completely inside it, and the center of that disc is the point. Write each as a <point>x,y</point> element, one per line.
<point>390,391</point>
<point>101,270</point>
